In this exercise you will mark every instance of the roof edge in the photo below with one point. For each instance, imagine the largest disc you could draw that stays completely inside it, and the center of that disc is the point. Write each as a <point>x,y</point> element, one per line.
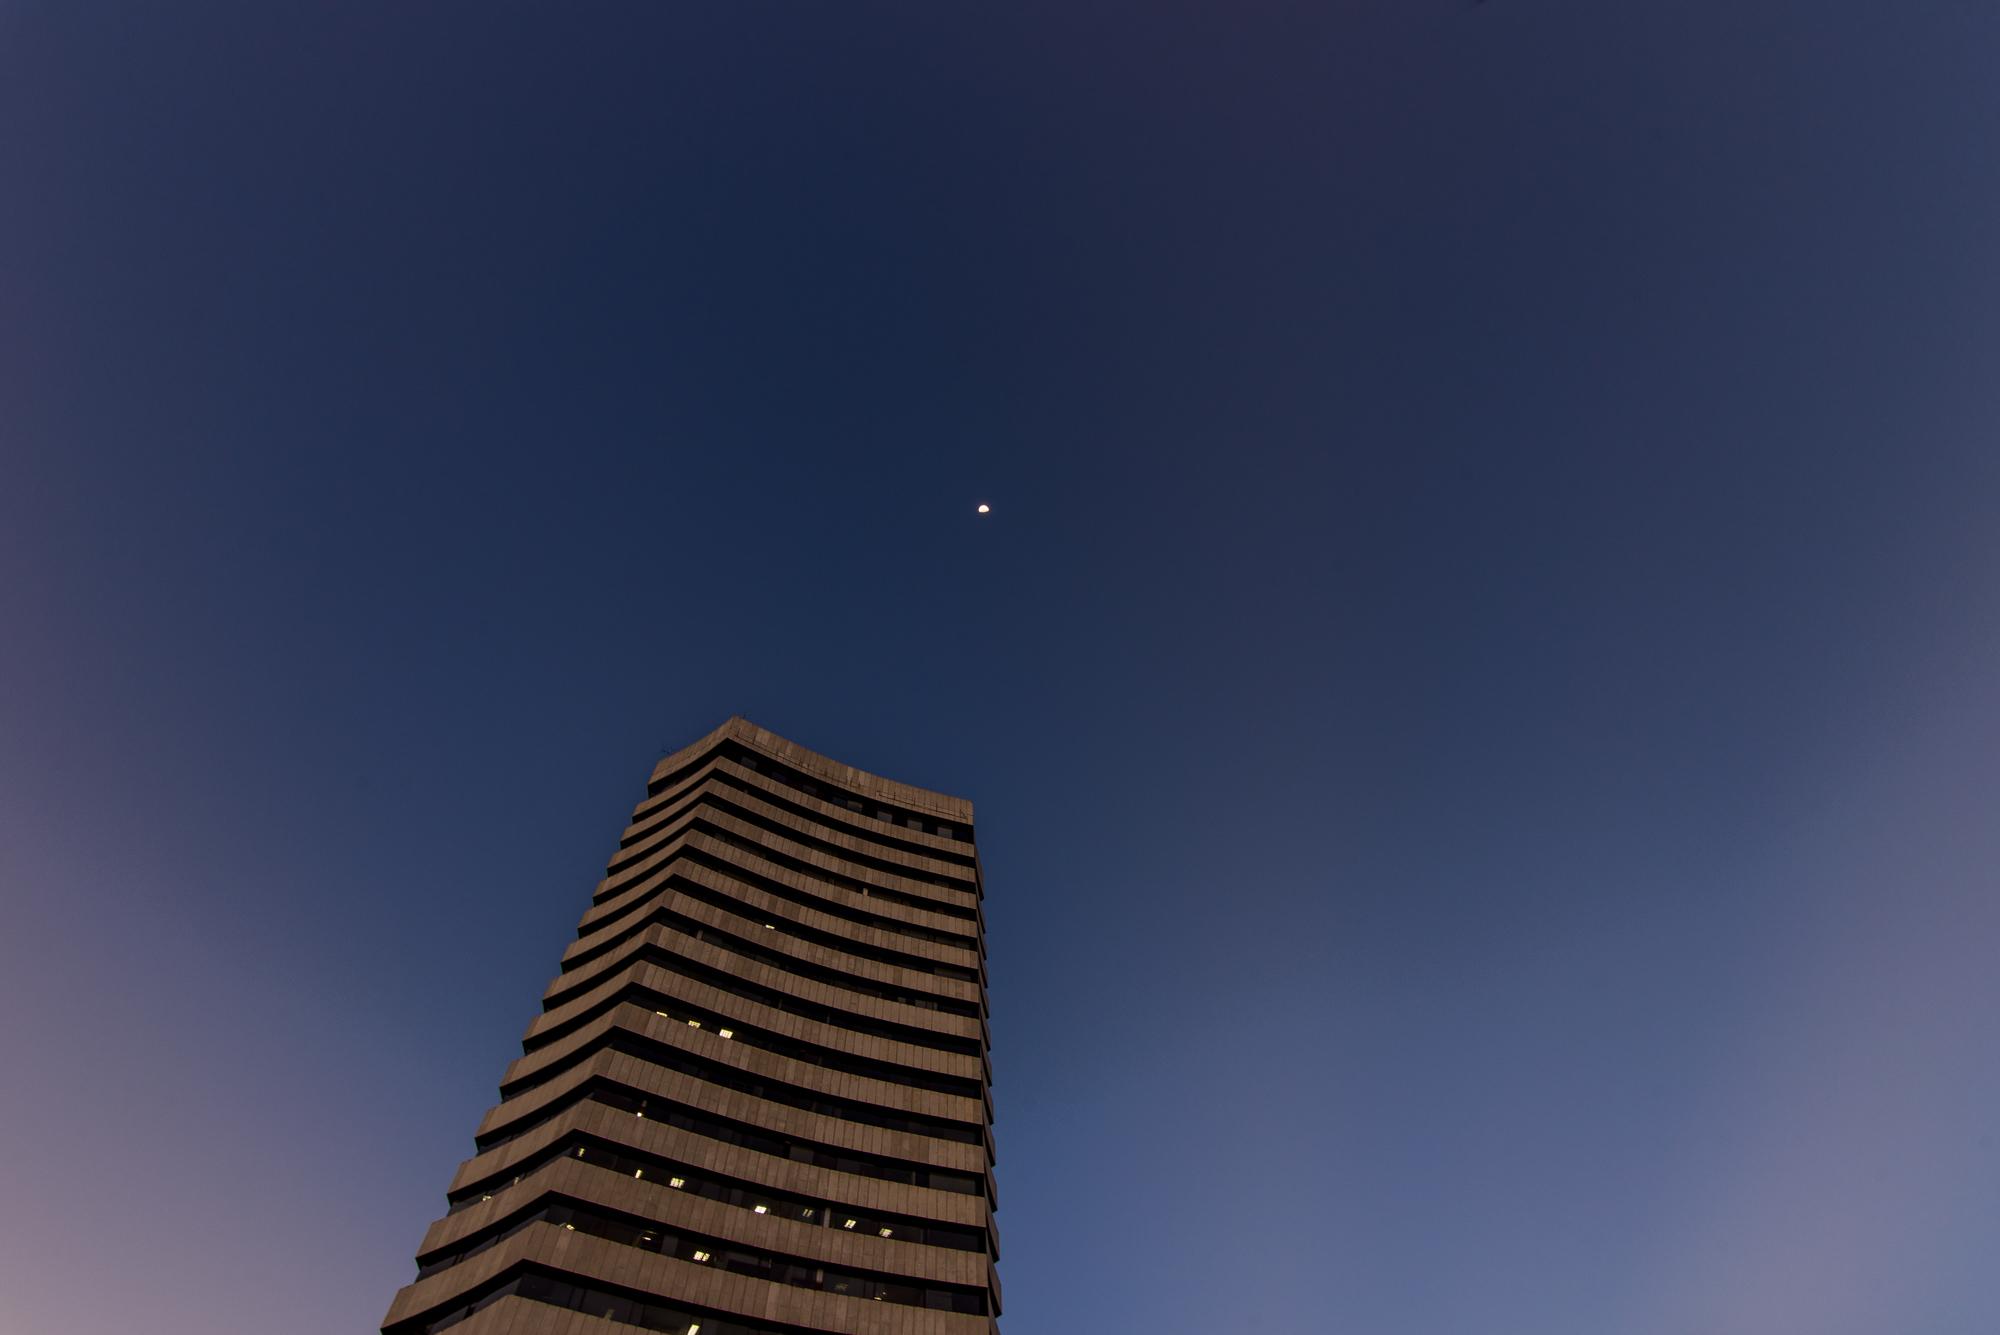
<point>739,729</point>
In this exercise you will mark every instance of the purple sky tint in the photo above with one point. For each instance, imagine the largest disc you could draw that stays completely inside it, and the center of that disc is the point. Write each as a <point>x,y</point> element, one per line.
<point>1480,682</point>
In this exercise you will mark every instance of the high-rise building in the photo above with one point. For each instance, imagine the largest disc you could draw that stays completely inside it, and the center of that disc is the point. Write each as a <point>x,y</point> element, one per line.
<point>756,1100</point>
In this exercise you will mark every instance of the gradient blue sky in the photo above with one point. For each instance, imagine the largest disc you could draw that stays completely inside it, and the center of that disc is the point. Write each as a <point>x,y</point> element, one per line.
<point>1480,683</point>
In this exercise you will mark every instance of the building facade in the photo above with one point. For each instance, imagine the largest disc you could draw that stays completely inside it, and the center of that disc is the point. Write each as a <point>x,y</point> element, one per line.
<point>757,1098</point>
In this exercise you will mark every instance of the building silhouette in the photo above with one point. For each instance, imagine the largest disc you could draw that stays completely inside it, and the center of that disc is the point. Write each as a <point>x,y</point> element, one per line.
<point>757,1098</point>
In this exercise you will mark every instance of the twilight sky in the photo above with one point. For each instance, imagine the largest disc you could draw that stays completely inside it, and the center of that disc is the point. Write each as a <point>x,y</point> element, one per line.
<point>1481,685</point>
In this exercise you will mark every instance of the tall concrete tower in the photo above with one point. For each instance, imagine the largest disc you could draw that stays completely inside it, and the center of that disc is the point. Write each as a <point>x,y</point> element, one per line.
<point>757,1099</point>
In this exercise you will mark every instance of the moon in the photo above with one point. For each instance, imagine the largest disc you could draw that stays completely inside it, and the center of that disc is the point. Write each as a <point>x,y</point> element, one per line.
<point>984,508</point>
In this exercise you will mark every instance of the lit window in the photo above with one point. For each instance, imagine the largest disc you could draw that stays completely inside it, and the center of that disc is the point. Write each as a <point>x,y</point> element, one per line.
<point>663,1015</point>
<point>677,1182</point>
<point>727,1033</point>
<point>694,1328</point>
<point>569,1228</point>
<point>638,1172</point>
<point>886,1232</point>
<point>849,1223</point>
<point>579,1151</point>
<point>694,1024</point>
<point>701,1256</point>
<point>770,927</point>
<point>760,1209</point>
